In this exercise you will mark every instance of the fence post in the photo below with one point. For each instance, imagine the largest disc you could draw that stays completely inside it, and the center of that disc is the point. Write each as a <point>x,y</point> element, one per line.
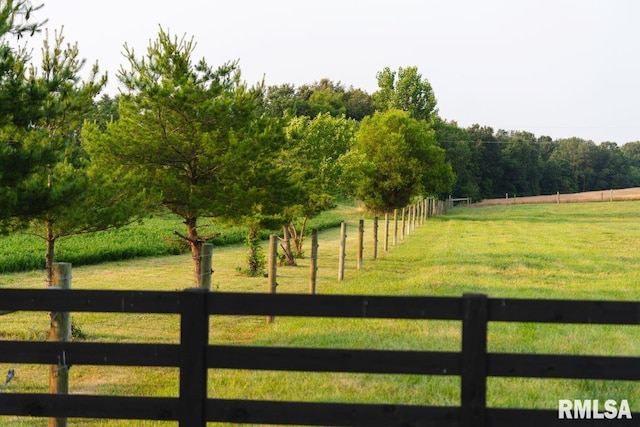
<point>360,243</point>
<point>386,231</point>
<point>474,360</point>
<point>194,339</point>
<point>375,237</point>
<point>60,330</point>
<point>272,268</point>
<point>206,263</point>
<point>395,227</point>
<point>403,224</point>
<point>343,250</point>
<point>313,273</point>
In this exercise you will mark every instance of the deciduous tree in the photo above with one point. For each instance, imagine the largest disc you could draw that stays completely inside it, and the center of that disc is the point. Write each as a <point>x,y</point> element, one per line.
<point>313,150</point>
<point>396,157</point>
<point>405,90</point>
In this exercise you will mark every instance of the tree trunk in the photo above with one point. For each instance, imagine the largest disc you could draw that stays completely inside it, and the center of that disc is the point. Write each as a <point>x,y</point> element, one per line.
<point>196,248</point>
<point>298,237</point>
<point>286,247</point>
<point>49,257</point>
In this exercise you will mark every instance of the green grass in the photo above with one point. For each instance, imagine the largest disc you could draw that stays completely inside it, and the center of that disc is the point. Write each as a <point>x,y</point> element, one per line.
<point>153,237</point>
<point>572,251</point>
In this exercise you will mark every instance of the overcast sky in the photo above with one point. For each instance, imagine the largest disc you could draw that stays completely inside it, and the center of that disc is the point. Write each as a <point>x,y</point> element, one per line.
<point>560,68</point>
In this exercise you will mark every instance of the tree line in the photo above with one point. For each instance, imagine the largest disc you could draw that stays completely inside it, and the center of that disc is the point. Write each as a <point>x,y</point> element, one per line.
<point>196,140</point>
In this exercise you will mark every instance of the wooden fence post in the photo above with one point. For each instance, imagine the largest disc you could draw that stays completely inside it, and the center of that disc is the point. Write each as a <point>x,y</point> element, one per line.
<point>360,243</point>
<point>206,263</point>
<point>386,231</point>
<point>343,250</point>
<point>402,233</point>
<point>194,339</point>
<point>313,273</point>
<point>375,237</point>
<point>474,360</point>
<point>395,227</point>
<point>272,268</point>
<point>425,208</point>
<point>60,330</point>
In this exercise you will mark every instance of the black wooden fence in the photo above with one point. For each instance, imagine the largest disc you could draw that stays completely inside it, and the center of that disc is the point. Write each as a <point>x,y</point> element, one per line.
<point>194,356</point>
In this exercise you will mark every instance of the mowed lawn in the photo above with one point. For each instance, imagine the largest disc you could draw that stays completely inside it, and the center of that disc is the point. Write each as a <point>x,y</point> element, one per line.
<point>568,251</point>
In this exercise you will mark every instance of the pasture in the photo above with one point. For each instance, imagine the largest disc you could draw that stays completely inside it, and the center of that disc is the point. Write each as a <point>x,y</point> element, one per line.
<point>568,251</point>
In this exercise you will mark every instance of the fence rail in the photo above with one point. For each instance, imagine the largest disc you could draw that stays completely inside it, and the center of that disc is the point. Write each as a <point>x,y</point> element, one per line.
<point>194,356</point>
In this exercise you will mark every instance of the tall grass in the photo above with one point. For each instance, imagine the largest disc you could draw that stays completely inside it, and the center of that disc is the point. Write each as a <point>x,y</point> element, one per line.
<point>153,237</point>
<point>585,251</point>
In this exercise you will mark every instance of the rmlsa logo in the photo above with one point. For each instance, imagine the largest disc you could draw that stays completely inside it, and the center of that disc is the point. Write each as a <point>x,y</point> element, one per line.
<point>590,409</point>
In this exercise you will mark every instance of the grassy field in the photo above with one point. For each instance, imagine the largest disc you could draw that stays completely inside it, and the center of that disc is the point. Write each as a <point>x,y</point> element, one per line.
<point>572,251</point>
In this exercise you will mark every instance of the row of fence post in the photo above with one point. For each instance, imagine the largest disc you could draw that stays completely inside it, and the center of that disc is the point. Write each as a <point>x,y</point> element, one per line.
<point>398,225</point>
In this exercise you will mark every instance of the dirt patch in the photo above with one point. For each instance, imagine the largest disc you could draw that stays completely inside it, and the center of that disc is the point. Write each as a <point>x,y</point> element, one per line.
<point>589,196</point>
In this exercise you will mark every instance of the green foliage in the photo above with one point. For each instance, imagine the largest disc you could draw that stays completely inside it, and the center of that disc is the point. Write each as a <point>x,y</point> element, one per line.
<point>20,101</point>
<point>395,158</point>
<point>309,100</point>
<point>461,153</point>
<point>56,189</point>
<point>314,147</point>
<point>195,136</point>
<point>516,162</point>
<point>256,259</point>
<point>405,90</point>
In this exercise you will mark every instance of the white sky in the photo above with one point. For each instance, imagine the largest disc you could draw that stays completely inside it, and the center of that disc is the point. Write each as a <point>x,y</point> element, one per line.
<point>551,67</point>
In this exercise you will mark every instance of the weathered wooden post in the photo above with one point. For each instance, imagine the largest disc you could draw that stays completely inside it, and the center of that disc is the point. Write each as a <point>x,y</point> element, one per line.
<point>375,237</point>
<point>425,210</point>
<point>313,273</point>
<point>409,219</point>
<point>360,243</point>
<point>402,233</point>
<point>206,263</point>
<point>386,231</point>
<point>343,250</point>
<point>60,330</point>
<point>395,227</point>
<point>272,268</point>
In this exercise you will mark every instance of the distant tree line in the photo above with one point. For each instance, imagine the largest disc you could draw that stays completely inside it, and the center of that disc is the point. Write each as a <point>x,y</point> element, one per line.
<point>492,163</point>
<point>486,163</point>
